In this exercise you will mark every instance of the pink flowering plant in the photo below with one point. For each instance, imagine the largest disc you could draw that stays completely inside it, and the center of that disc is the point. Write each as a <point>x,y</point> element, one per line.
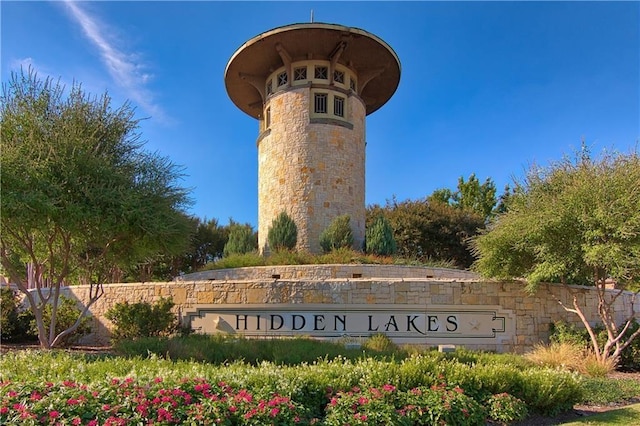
<point>505,408</point>
<point>125,402</point>
<point>437,405</point>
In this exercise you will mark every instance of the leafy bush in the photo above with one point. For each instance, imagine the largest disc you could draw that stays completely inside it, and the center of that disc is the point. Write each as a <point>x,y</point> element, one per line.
<point>241,240</point>
<point>283,234</point>
<point>133,321</point>
<point>563,332</point>
<point>386,405</point>
<point>548,391</point>
<point>505,408</point>
<point>337,235</point>
<point>379,238</point>
<point>14,323</point>
<point>67,314</point>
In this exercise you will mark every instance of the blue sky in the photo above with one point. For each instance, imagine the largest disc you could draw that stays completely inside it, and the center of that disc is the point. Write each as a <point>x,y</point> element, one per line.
<point>486,87</point>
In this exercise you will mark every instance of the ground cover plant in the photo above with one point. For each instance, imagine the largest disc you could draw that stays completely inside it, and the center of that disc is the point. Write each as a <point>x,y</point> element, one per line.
<point>423,389</point>
<point>621,417</point>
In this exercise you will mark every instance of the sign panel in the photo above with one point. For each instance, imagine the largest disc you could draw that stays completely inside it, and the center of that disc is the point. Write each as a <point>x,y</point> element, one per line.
<point>406,323</point>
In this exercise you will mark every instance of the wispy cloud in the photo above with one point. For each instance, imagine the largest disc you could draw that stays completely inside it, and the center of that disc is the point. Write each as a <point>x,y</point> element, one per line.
<point>123,67</point>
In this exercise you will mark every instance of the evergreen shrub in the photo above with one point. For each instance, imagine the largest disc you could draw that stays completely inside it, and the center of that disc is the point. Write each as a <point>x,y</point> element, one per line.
<point>337,235</point>
<point>283,234</point>
<point>379,238</point>
<point>241,240</point>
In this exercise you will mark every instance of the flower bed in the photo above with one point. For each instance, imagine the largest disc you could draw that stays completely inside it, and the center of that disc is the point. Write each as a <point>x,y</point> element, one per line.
<point>421,390</point>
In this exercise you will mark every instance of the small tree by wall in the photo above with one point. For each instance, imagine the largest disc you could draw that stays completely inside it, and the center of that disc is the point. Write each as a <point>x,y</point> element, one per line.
<point>242,240</point>
<point>379,238</point>
<point>337,235</point>
<point>283,233</point>
<point>575,222</point>
<point>80,196</point>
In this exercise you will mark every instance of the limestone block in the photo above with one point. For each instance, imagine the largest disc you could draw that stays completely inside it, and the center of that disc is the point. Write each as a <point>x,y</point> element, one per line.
<point>179,295</point>
<point>256,295</point>
<point>205,297</point>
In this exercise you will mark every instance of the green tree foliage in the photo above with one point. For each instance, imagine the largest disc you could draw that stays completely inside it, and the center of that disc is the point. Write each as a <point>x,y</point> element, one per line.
<point>575,222</point>
<point>470,195</point>
<point>283,233</point>
<point>242,239</point>
<point>379,238</point>
<point>428,230</point>
<point>80,197</point>
<point>337,235</point>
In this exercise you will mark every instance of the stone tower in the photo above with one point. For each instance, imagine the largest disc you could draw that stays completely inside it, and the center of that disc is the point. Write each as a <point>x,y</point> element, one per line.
<point>311,86</point>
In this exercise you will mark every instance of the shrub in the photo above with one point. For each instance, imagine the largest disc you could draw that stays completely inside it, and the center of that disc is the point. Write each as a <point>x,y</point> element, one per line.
<point>379,238</point>
<point>562,332</point>
<point>337,235</point>
<point>67,314</point>
<point>630,357</point>
<point>549,391</point>
<point>289,257</point>
<point>386,405</point>
<point>380,342</point>
<point>241,240</point>
<point>133,321</point>
<point>14,322</point>
<point>506,408</point>
<point>237,261</point>
<point>283,234</point>
<point>8,313</point>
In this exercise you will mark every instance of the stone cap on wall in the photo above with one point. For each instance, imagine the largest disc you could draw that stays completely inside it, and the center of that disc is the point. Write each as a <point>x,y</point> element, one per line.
<point>325,272</point>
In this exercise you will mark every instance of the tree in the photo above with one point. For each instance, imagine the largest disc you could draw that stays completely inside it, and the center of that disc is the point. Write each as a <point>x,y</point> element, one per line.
<point>206,244</point>
<point>575,222</point>
<point>283,233</point>
<point>337,235</point>
<point>242,239</point>
<point>471,195</point>
<point>379,238</point>
<point>428,230</point>
<point>80,196</point>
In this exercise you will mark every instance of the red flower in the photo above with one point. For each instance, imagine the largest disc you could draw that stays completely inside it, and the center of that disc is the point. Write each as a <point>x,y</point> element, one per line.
<point>54,414</point>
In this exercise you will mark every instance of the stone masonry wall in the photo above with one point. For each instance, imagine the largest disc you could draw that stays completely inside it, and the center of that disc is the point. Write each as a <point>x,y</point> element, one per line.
<point>533,313</point>
<point>312,171</point>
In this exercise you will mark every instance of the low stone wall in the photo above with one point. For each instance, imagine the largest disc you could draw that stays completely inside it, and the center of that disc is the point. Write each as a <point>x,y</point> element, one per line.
<point>324,272</point>
<point>417,309</point>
